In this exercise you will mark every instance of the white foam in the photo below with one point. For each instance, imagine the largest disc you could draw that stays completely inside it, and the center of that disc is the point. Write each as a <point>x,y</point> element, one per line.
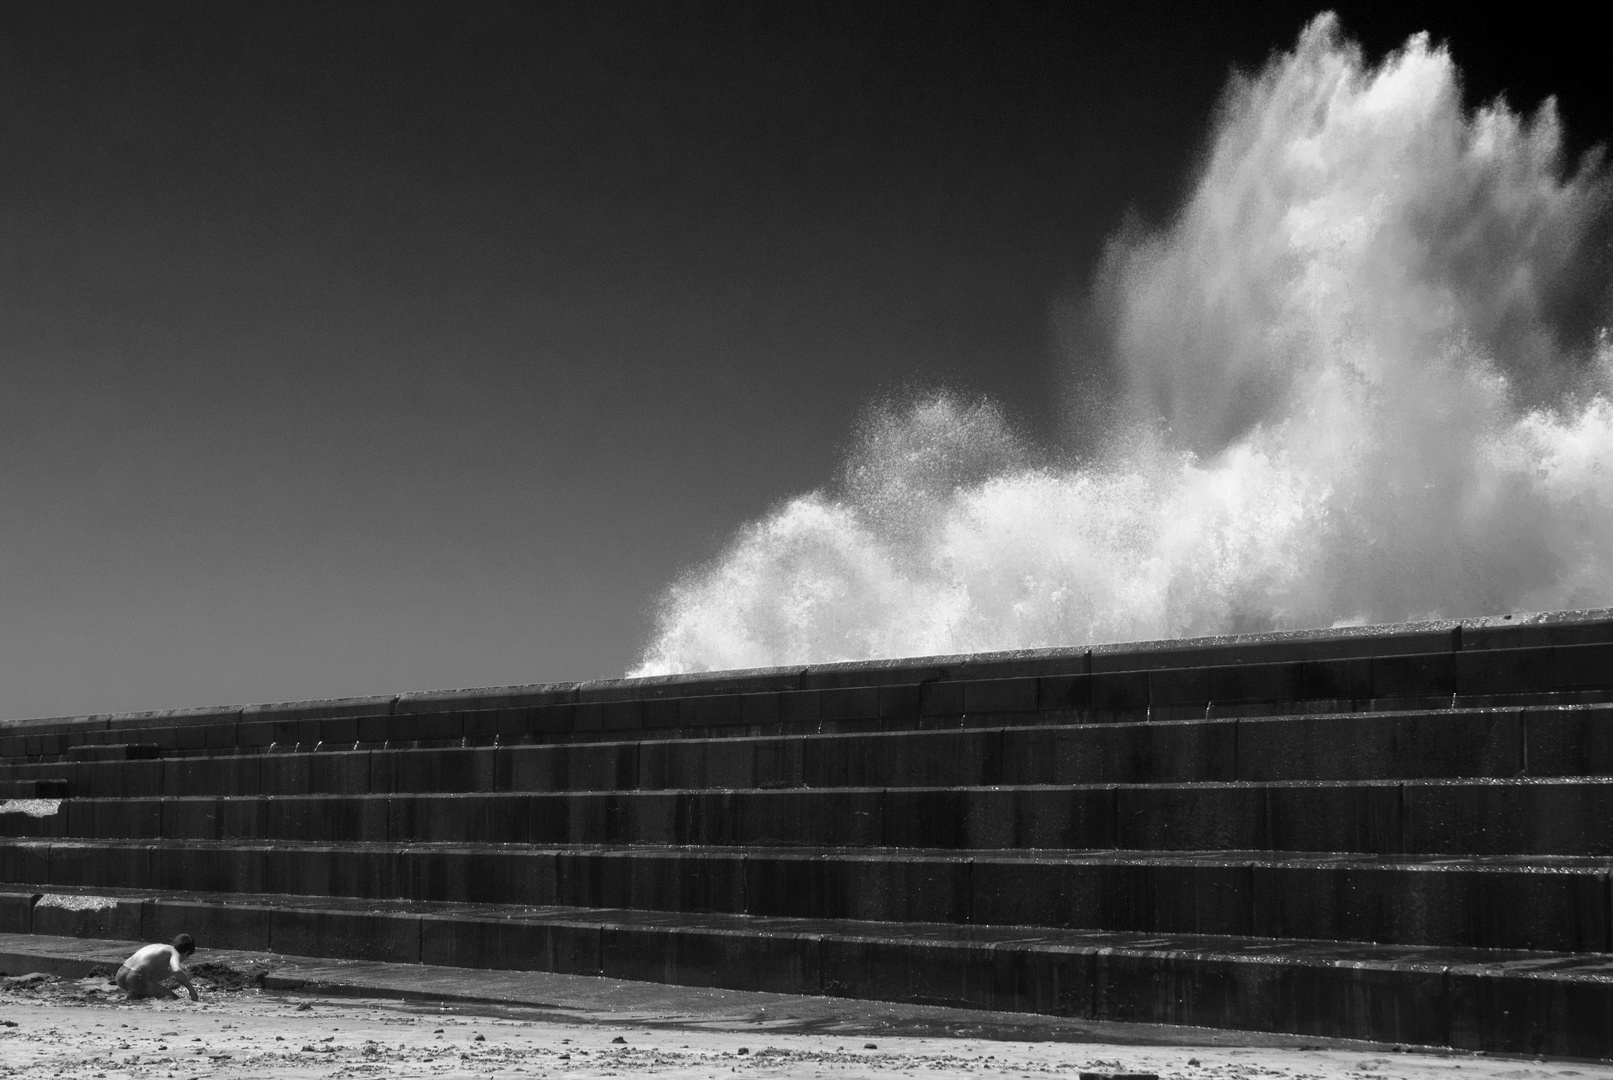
<point>1361,381</point>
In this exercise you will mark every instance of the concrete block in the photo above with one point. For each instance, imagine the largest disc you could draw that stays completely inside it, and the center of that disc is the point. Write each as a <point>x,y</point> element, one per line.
<point>845,818</point>
<point>941,699</point>
<point>212,925</point>
<point>1156,896</point>
<point>925,818</point>
<point>452,769</point>
<point>1064,692</point>
<point>114,818</point>
<point>648,817</point>
<point>477,818</point>
<point>31,819</point>
<point>1189,818</point>
<point>1320,999</point>
<point>254,734</point>
<point>308,870</point>
<point>220,736</point>
<point>25,862</point>
<point>1336,680</point>
<point>1561,1006</point>
<point>442,727</point>
<point>1000,695</point>
<point>297,733</point>
<point>1578,743</point>
<point>361,819</point>
<point>790,885</point>
<point>759,710</point>
<point>236,774</point>
<point>930,972</point>
<point>320,709</point>
<point>303,819</point>
<point>779,763</point>
<point>659,714</point>
<point>1380,746</point>
<point>164,738</point>
<point>548,720</point>
<point>777,963</point>
<point>1119,690</point>
<point>99,751</point>
<point>344,772</point>
<point>243,818</point>
<point>487,697</point>
<point>220,869</point>
<point>535,768</point>
<point>1577,666</point>
<point>929,759</point>
<point>801,708</point>
<point>393,937</point>
<point>338,731</point>
<point>653,880</point>
<point>176,819</point>
<point>900,702</point>
<point>79,915</point>
<point>849,703</point>
<point>822,761</point>
<point>1332,816</point>
<point>898,887</point>
<point>100,865</point>
<point>116,780</point>
<point>571,818</point>
<point>284,774</point>
<point>617,716</point>
<point>1049,979</point>
<point>16,912</point>
<point>1537,817</point>
<point>607,766</point>
<point>1079,817</point>
<point>1257,682</point>
<point>692,763</point>
<point>718,710</point>
<point>481,726</point>
<point>1125,753</point>
<point>1414,676</point>
<point>501,943</point>
<point>1179,686</point>
<point>1503,671</point>
<point>1480,907</point>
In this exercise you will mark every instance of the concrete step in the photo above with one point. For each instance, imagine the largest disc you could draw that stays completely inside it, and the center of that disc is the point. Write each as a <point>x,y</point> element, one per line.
<point>1502,743</point>
<point>1563,816</point>
<point>1349,670</point>
<point>1516,1002</point>
<point>1519,903</point>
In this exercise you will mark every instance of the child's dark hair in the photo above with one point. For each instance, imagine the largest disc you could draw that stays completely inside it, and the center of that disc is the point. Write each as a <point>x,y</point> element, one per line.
<point>184,945</point>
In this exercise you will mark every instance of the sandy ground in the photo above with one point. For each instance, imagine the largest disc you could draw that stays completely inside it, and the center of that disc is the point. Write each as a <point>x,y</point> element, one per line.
<point>86,1028</point>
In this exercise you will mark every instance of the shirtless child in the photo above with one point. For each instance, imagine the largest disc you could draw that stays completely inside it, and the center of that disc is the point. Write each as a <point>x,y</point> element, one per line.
<point>143,973</point>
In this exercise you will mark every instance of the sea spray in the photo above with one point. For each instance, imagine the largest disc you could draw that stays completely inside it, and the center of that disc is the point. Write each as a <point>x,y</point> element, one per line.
<point>1364,375</point>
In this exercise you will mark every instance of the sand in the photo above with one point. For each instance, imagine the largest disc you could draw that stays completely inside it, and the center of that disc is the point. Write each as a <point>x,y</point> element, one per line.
<point>86,1028</point>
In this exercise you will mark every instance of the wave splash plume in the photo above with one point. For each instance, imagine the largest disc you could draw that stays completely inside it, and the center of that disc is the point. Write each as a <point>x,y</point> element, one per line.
<point>1365,375</point>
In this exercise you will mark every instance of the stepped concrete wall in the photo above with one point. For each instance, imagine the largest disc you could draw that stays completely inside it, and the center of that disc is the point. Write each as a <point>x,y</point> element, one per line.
<point>1401,833</point>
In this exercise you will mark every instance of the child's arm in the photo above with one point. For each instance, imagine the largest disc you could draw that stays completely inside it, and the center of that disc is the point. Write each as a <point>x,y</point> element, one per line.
<point>183,977</point>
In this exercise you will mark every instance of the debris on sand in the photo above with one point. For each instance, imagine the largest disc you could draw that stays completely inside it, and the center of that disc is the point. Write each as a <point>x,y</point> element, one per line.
<point>218,976</point>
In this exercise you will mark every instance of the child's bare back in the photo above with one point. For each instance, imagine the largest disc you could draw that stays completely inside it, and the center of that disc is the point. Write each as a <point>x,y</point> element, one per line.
<point>144,973</point>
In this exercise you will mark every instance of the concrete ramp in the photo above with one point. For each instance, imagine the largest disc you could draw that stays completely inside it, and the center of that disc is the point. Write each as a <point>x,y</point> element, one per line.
<point>1401,834</point>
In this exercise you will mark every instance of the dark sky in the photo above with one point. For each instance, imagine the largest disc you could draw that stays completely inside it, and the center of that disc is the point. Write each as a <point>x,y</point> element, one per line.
<point>358,348</point>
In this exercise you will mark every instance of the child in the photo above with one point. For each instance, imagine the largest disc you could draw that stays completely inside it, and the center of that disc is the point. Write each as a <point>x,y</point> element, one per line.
<point>143,973</point>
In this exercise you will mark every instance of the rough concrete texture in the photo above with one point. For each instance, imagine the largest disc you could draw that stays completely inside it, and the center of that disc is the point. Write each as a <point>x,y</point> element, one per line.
<point>331,1019</point>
